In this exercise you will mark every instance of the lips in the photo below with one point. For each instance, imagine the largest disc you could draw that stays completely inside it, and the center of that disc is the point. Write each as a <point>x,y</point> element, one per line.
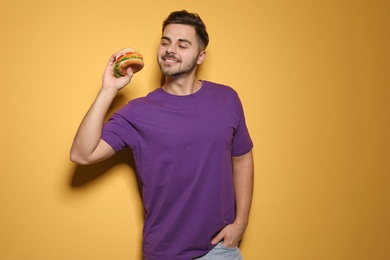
<point>170,58</point>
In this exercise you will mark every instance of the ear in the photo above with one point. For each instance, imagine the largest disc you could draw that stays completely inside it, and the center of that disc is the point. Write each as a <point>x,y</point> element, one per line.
<point>201,57</point>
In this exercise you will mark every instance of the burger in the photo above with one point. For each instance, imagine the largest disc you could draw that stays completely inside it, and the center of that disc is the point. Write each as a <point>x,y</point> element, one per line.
<point>126,58</point>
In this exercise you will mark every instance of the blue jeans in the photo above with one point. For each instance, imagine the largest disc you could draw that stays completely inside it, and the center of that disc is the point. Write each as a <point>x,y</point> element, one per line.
<point>219,252</point>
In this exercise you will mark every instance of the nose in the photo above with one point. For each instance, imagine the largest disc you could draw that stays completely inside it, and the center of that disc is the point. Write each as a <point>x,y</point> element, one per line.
<point>171,49</point>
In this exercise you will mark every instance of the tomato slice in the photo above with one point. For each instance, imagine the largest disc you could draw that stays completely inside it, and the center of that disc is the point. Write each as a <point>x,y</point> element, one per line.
<point>128,55</point>
<point>119,58</point>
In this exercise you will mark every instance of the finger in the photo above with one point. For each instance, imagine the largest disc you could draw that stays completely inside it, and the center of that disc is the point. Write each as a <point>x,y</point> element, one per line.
<point>217,239</point>
<point>130,71</point>
<point>129,75</point>
<point>227,243</point>
<point>112,59</point>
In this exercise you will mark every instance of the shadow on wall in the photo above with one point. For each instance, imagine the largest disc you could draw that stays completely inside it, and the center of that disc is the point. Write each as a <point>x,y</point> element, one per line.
<point>85,174</point>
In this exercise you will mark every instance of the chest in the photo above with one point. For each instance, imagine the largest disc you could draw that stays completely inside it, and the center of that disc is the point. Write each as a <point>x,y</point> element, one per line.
<point>179,126</point>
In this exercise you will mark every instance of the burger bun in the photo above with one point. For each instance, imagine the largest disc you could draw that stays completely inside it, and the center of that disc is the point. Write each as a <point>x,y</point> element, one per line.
<point>126,58</point>
<point>135,64</point>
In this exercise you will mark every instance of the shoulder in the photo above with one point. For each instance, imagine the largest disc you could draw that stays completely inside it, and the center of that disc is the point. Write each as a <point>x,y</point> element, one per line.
<point>142,107</point>
<point>138,103</point>
<point>220,89</point>
<point>150,98</point>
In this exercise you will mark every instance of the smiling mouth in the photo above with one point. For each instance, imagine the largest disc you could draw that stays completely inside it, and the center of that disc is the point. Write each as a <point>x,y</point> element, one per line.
<point>170,59</point>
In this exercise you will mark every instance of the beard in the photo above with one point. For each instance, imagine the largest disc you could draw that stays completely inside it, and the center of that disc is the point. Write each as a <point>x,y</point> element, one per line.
<point>174,72</point>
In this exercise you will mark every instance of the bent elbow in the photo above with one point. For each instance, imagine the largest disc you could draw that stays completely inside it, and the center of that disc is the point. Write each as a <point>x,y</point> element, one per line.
<point>77,159</point>
<point>82,156</point>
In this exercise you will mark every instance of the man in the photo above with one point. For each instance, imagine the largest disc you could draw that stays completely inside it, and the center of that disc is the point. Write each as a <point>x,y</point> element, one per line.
<point>191,147</point>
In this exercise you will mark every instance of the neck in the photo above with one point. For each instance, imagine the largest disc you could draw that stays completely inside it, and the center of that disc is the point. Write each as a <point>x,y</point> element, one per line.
<point>181,86</point>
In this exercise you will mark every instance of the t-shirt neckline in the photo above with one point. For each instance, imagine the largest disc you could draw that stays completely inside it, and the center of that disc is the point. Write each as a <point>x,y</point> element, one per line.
<point>189,96</point>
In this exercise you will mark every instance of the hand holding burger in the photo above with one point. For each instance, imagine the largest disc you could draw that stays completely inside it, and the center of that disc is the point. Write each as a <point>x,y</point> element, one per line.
<point>126,58</point>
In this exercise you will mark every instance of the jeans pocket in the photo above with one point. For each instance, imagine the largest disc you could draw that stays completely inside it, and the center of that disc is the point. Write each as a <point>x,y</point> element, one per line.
<point>220,244</point>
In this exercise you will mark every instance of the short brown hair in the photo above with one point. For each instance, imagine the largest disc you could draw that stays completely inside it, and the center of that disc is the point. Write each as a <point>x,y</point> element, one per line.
<point>192,19</point>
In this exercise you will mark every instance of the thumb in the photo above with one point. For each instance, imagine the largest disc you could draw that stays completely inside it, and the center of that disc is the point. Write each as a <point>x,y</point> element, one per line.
<point>129,75</point>
<point>217,238</point>
<point>130,71</point>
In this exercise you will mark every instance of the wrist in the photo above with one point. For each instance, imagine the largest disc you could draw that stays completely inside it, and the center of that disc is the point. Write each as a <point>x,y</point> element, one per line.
<point>241,221</point>
<point>108,92</point>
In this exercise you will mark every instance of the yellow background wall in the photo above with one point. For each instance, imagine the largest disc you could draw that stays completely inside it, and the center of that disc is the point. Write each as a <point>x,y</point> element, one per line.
<point>314,80</point>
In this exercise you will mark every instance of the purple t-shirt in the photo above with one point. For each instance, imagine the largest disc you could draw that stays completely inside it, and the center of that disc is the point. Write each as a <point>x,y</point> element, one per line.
<point>183,148</point>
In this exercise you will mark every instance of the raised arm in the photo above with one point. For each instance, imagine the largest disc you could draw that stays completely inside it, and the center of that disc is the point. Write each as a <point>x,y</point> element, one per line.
<point>88,147</point>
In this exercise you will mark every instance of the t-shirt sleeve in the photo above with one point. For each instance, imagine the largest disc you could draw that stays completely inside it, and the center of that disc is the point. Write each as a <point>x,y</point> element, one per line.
<point>242,142</point>
<point>119,132</point>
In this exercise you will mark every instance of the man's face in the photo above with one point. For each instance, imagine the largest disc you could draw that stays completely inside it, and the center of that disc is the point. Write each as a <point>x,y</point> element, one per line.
<point>179,53</point>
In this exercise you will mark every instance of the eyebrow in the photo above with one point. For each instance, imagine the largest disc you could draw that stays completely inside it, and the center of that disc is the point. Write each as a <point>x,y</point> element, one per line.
<point>180,40</point>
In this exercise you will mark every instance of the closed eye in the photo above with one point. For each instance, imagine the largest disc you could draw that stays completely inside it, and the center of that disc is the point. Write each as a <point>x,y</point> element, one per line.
<point>165,41</point>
